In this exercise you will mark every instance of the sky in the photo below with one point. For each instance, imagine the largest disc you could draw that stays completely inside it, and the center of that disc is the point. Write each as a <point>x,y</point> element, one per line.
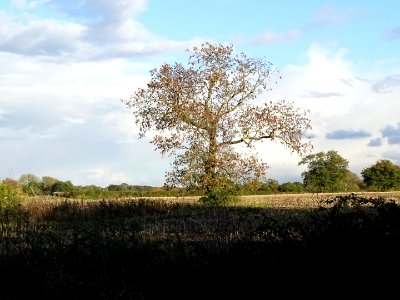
<point>65,66</point>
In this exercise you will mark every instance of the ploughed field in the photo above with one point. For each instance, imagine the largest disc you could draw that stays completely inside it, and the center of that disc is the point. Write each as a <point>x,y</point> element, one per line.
<point>157,248</point>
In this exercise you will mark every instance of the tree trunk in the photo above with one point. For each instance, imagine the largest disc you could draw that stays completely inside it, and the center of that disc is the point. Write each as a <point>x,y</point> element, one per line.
<point>211,163</point>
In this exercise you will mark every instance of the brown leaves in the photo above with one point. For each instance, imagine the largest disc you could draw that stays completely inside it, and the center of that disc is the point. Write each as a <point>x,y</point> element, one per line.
<point>202,110</point>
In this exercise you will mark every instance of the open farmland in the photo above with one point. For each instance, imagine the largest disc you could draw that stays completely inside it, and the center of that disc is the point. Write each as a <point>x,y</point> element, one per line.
<point>286,200</point>
<point>304,200</point>
<point>175,248</point>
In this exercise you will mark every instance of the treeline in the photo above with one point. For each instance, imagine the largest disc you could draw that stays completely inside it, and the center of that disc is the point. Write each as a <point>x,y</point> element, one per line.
<point>32,185</point>
<point>326,172</point>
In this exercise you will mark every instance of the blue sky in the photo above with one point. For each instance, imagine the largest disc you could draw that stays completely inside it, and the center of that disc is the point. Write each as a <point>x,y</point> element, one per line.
<point>66,65</point>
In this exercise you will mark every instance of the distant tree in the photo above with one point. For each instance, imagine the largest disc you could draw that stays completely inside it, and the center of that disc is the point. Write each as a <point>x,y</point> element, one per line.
<point>64,186</point>
<point>12,183</point>
<point>26,179</point>
<point>384,175</point>
<point>89,192</point>
<point>327,172</point>
<point>124,186</point>
<point>47,183</point>
<point>30,184</point>
<point>251,186</point>
<point>270,186</point>
<point>291,187</point>
<point>48,180</point>
<point>114,187</point>
<point>202,112</point>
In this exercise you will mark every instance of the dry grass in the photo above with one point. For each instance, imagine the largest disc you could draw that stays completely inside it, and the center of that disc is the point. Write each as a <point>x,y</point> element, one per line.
<point>298,201</point>
<point>303,200</point>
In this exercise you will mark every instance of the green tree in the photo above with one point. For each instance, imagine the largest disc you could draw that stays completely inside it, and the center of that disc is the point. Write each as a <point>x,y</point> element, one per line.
<point>351,182</point>
<point>384,175</point>
<point>204,111</point>
<point>30,184</point>
<point>291,187</point>
<point>65,186</point>
<point>26,179</point>
<point>47,183</point>
<point>326,172</point>
<point>270,186</point>
<point>90,192</point>
<point>114,187</point>
<point>251,187</point>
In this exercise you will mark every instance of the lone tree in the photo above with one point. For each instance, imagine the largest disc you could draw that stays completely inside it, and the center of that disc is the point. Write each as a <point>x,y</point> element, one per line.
<point>327,172</point>
<point>204,111</point>
<point>384,175</point>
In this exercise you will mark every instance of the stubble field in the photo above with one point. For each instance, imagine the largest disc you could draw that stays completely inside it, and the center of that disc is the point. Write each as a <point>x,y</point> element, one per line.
<point>286,200</point>
<point>54,248</point>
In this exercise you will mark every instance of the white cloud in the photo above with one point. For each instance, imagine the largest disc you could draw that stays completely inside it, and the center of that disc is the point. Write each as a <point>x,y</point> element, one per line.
<point>36,4</point>
<point>41,37</point>
<point>387,84</point>
<point>3,112</point>
<point>87,30</point>
<point>392,134</point>
<point>335,105</point>
<point>103,176</point>
<point>75,120</point>
<point>61,120</point>
<point>315,94</point>
<point>18,3</point>
<point>376,142</point>
<point>101,10</point>
<point>392,155</point>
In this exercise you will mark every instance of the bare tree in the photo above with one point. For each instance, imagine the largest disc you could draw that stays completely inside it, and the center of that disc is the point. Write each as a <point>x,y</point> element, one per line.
<point>204,111</point>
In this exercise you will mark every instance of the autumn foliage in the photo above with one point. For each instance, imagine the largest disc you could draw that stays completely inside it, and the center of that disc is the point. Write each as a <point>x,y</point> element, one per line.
<point>204,111</point>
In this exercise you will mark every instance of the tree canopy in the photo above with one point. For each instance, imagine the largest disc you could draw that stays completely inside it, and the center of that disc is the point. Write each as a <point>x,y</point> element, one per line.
<point>384,175</point>
<point>327,172</point>
<point>202,112</point>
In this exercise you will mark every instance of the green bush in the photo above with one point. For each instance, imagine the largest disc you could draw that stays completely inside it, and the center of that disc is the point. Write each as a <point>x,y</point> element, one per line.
<point>10,193</point>
<point>224,193</point>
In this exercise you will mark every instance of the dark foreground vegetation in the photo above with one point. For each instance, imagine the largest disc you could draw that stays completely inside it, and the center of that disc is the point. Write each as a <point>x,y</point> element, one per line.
<point>144,249</point>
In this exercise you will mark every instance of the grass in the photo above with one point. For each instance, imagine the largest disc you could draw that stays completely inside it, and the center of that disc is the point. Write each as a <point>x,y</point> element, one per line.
<point>175,248</point>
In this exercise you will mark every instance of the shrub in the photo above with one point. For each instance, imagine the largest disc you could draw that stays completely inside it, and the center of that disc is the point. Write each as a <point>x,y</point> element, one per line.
<point>224,193</point>
<point>10,193</point>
